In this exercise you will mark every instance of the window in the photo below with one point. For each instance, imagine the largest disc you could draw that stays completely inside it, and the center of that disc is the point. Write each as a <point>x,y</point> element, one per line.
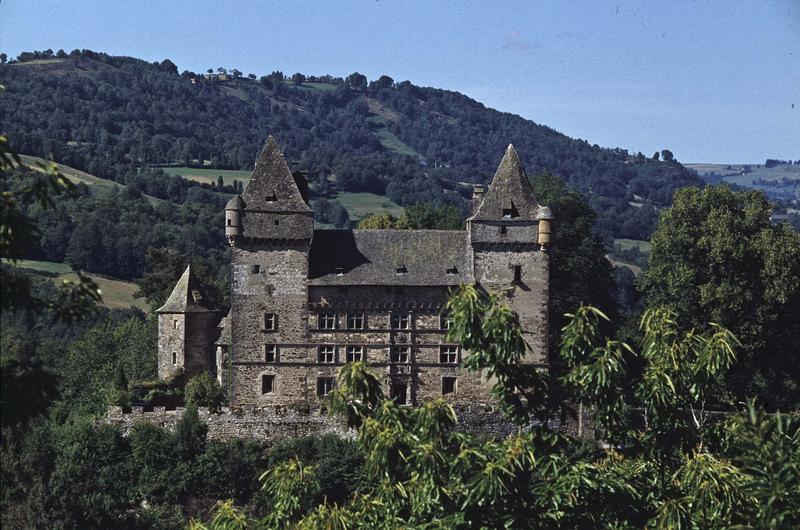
<point>448,354</point>
<point>175,324</point>
<point>355,353</point>
<point>327,321</point>
<point>503,229</point>
<point>270,321</point>
<point>270,353</point>
<point>229,222</point>
<point>255,269</point>
<point>324,385</point>
<point>401,321</point>
<point>277,222</point>
<point>401,269</point>
<point>508,213</point>
<point>267,384</point>
<point>327,354</point>
<point>448,385</point>
<point>452,270</point>
<point>397,392</point>
<point>174,358</point>
<point>355,320</point>
<point>400,354</point>
<point>445,322</point>
<point>517,273</point>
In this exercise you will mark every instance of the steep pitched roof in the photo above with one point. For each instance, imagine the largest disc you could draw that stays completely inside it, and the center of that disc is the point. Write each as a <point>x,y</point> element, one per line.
<point>390,257</point>
<point>186,297</point>
<point>272,186</point>
<point>509,190</point>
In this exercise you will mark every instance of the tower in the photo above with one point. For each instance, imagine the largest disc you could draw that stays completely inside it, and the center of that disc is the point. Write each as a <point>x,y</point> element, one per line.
<point>269,228</point>
<point>509,231</point>
<point>186,330</point>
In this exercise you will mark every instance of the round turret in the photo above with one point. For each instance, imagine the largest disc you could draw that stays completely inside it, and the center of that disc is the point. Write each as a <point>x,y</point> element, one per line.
<point>544,216</point>
<point>233,218</point>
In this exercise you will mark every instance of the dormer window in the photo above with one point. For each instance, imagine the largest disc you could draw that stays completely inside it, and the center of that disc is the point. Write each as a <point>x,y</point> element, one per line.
<point>196,296</point>
<point>401,270</point>
<point>271,197</point>
<point>508,213</point>
<point>339,271</point>
<point>452,270</point>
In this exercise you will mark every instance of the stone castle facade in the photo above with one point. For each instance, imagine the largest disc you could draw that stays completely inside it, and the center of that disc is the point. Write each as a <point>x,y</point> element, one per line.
<point>304,302</point>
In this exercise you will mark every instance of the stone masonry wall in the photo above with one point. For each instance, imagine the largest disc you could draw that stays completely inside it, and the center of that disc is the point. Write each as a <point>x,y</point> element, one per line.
<point>275,423</point>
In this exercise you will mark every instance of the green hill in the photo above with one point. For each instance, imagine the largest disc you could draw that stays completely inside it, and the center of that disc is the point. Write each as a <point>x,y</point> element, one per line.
<point>781,181</point>
<point>114,117</point>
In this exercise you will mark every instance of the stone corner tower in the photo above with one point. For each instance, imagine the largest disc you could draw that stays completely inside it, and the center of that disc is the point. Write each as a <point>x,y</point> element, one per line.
<point>509,232</point>
<point>269,228</point>
<point>186,330</point>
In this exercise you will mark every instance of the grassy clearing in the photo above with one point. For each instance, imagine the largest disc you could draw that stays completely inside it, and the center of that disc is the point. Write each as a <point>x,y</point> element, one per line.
<point>322,87</point>
<point>207,176</point>
<point>117,294</point>
<point>360,205</point>
<point>77,176</point>
<point>392,142</point>
<point>627,244</point>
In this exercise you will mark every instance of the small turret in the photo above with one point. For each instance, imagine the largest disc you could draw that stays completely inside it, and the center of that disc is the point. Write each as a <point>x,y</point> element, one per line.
<point>544,216</point>
<point>233,219</point>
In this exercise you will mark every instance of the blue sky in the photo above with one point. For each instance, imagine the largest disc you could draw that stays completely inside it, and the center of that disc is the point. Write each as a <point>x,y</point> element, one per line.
<point>712,81</point>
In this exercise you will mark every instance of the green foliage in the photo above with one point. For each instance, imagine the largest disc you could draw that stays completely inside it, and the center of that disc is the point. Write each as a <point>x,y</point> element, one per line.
<point>203,390</point>
<point>717,258</point>
<point>417,217</point>
<point>584,275</point>
<point>190,434</point>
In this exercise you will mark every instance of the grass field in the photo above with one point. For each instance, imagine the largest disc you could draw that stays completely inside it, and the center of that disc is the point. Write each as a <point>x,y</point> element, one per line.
<point>361,205</point>
<point>736,175</point>
<point>78,176</point>
<point>207,176</point>
<point>627,244</point>
<point>322,87</point>
<point>117,294</point>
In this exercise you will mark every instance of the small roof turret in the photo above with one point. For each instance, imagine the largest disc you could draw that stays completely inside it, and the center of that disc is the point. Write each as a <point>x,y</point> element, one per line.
<point>510,194</point>
<point>186,297</point>
<point>236,203</point>
<point>272,186</point>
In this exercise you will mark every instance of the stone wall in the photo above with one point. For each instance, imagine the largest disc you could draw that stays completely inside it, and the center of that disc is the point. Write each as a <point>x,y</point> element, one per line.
<point>271,424</point>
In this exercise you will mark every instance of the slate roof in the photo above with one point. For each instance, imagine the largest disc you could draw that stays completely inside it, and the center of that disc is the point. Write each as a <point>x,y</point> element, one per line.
<point>272,186</point>
<point>509,190</point>
<point>390,257</point>
<point>186,297</point>
<point>224,328</point>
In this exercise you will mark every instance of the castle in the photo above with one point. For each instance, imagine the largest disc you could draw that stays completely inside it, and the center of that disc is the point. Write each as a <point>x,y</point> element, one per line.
<point>304,302</point>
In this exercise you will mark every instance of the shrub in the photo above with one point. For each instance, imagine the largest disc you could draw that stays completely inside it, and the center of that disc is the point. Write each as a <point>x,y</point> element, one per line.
<point>203,391</point>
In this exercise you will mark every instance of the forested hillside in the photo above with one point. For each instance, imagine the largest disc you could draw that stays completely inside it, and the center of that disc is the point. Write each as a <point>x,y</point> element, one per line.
<point>114,116</point>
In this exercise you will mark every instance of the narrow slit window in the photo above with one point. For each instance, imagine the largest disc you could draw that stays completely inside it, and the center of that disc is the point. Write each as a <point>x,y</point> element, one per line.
<point>267,384</point>
<point>175,324</point>
<point>174,358</point>
<point>503,229</point>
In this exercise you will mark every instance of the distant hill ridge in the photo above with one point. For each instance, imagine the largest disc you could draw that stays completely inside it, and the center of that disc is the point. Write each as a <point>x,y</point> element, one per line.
<point>105,115</point>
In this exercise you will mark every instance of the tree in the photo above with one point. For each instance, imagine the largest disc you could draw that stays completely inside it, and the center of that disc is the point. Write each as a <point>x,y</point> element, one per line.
<point>667,156</point>
<point>717,258</point>
<point>203,391</point>
<point>582,274</point>
<point>357,81</point>
<point>298,79</point>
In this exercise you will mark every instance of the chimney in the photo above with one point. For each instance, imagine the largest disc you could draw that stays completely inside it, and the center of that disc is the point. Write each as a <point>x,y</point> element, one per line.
<point>477,196</point>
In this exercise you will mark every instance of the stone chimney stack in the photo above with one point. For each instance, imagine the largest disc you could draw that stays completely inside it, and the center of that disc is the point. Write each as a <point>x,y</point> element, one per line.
<point>478,192</point>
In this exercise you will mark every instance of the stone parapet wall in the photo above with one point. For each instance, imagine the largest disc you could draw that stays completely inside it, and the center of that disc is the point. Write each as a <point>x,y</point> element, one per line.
<point>274,423</point>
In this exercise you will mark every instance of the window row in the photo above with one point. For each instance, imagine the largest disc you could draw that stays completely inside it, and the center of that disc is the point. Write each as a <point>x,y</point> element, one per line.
<point>397,354</point>
<point>354,321</point>
<point>325,385</point>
